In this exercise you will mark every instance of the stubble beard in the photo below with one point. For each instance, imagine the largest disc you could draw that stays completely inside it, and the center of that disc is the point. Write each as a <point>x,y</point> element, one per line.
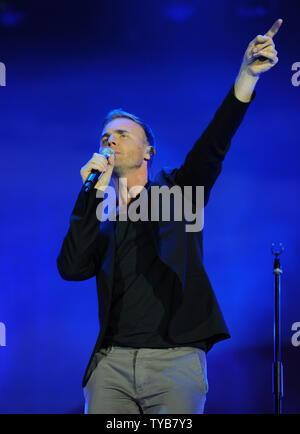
<point>123,170</point>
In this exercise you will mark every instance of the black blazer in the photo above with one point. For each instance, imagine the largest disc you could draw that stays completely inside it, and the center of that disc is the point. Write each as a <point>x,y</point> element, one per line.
<point>88,248</point>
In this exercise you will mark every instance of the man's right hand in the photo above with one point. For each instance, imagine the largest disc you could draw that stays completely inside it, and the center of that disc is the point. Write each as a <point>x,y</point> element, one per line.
<point>99,162</point>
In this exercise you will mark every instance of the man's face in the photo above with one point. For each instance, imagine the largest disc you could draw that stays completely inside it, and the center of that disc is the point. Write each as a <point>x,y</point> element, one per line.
<point>128,140</point>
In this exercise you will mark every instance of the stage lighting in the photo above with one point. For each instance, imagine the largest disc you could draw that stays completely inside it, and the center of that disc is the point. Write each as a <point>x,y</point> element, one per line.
<point>178,11</point>
<point>9,17</point>
<point>255,8</point>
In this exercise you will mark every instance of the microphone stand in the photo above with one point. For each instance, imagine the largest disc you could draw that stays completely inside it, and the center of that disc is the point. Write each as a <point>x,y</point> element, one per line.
<point>277,365</point>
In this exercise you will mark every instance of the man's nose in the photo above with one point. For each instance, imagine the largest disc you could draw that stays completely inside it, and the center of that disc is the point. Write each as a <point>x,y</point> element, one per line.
<point>111,141</point>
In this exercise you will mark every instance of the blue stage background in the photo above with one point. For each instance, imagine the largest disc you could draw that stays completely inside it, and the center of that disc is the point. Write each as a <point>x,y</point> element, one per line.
<point>171,63</point>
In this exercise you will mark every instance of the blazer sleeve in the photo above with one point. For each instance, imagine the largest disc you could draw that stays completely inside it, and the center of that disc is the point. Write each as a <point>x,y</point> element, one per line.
<point>79,255</point>
<point>203,162</point>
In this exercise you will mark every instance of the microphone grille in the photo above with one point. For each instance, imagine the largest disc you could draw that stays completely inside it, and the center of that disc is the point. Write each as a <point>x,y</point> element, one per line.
<point>107,152</point>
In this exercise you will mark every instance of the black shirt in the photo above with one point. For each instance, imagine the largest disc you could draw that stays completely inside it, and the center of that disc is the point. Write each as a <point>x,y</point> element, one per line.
<point>143,291</point>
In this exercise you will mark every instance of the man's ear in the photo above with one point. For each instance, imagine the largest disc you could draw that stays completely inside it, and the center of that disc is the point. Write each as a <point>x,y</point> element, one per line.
<point>150,151</point>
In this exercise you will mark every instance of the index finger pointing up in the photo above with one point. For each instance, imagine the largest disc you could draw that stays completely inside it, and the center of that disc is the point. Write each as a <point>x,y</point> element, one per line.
<point>274,29</point>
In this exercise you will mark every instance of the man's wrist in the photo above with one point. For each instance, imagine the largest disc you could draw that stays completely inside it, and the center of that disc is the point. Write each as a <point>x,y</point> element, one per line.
<point>244,85</point>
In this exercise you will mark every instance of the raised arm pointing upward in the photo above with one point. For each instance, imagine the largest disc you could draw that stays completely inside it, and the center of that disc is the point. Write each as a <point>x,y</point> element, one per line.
<point>259,57</point>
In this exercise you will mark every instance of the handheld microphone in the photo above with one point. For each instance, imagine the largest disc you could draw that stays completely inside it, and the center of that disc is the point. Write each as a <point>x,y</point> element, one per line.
<point>95,175</point>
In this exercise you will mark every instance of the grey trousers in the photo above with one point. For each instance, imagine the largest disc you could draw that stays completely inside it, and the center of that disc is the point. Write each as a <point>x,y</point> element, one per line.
<point>147,381</point>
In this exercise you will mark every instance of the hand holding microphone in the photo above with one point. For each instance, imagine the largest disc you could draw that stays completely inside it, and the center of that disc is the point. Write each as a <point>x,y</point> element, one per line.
<point>96,173</point>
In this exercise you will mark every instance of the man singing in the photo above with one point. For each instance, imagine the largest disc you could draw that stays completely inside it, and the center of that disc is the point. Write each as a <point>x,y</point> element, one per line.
<point>157,310</point>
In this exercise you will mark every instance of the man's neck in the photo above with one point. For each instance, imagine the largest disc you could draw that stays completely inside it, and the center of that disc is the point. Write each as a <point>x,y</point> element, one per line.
<point>135,181</point>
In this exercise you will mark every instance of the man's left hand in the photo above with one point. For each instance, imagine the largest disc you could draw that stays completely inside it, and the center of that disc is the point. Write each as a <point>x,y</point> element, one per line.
<point>261,55</point>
